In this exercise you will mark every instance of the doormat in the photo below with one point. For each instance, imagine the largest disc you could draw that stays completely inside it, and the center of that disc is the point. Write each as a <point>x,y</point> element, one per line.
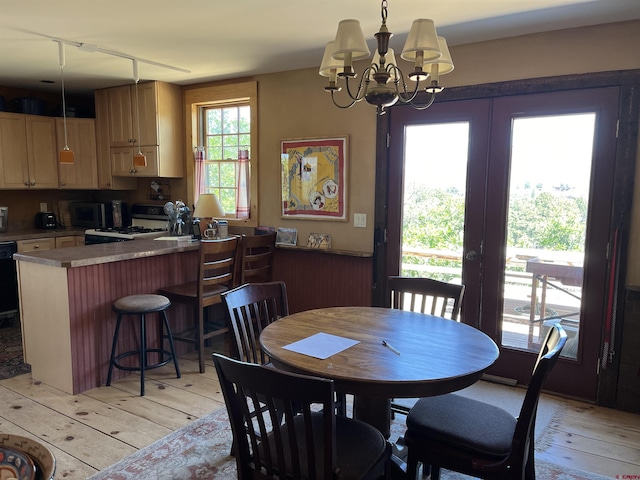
<point>200,450</point>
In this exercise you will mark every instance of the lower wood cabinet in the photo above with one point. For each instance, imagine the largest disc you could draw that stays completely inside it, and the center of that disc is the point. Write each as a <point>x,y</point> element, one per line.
<point>36,244</point>
<point>49,243</point>
<point>70,241</point>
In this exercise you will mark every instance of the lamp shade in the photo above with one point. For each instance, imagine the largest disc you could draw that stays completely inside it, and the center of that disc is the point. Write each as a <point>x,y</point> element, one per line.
<point>350,40</point>
<point>445,63</point>
<point>422,38</point>
<point>208,206</point>
<point>330,67</point>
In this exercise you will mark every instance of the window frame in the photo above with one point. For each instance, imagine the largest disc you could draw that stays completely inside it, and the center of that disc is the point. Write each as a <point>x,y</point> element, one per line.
<point>220,95</point>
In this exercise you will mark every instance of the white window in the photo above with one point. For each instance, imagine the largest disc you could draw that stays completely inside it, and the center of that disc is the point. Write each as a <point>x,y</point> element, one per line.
<point>223,133</point>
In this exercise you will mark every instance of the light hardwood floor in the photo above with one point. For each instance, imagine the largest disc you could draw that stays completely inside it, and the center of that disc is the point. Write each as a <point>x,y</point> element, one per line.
<point>91,431</point>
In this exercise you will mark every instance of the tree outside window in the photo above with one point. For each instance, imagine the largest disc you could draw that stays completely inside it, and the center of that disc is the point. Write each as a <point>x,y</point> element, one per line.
<point>225,130</point>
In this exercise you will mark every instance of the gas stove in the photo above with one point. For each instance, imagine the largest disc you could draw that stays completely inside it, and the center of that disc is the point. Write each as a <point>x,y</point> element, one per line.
<point>147,221</point>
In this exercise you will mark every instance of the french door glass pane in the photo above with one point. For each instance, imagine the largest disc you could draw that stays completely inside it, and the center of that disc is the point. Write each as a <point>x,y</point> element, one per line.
<point>546,227</point>
<point>435,179</point>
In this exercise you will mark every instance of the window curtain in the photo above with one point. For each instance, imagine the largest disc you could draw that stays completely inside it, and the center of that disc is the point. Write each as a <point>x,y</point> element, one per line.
<point>242,188</point>
<point>200,172</point>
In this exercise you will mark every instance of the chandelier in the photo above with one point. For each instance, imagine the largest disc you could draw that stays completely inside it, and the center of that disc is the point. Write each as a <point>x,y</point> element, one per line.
<point>383,84</point>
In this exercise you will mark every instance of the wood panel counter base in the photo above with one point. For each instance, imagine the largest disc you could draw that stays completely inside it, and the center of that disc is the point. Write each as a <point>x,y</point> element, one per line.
<point>67,319</point>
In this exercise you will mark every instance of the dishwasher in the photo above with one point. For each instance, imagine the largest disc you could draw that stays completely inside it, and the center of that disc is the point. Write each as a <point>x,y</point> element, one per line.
<point>8,284</point>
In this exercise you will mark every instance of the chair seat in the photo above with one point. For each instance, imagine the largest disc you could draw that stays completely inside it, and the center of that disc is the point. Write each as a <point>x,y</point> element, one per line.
<point>141,303</point>
<point>468,424</point>
<point>190,290</point>
<point>355,457</point>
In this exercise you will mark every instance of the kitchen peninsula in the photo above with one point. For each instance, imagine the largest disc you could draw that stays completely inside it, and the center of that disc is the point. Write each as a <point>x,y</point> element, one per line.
<point>66,297</point>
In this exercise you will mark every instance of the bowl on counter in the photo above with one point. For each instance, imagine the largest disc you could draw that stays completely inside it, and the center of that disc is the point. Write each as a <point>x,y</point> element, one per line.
<point>42,457</point>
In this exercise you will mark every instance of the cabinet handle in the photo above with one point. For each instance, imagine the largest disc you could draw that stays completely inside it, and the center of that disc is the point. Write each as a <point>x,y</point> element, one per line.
<point>33,184</point>
<point>62,184</point>
<point>26,183</point>
<point>36,246</point>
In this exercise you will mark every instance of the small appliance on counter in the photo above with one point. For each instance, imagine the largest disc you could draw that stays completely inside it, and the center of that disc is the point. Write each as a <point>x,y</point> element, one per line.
<point>4,219</point>
<point>46,220</point>
<point>111,214</point>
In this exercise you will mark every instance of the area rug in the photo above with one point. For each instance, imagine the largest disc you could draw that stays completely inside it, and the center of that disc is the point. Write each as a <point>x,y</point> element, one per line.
<point>200,451</point>
<point>11,359</point>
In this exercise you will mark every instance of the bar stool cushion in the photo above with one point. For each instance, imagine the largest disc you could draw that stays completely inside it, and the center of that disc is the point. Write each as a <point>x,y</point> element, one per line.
<point>141,303</point>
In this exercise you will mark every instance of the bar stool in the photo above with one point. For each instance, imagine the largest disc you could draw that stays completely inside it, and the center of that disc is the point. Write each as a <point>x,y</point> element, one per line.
<point>141,305</point>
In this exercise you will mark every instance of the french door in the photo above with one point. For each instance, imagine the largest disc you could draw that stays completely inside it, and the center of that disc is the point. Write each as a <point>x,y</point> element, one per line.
<point>511,196</point>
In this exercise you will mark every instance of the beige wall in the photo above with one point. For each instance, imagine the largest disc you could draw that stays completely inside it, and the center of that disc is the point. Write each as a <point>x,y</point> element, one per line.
<point>294,104</point>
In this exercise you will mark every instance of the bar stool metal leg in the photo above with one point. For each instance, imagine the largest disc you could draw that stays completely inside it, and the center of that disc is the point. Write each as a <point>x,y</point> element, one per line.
<point>141,305</point>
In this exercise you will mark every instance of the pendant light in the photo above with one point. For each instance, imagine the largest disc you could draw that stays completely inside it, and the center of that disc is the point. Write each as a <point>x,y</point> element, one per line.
<point>66,156</point>
<point>139,159</point>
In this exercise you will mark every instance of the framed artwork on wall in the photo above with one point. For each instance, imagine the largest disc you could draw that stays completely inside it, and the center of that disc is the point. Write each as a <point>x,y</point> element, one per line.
<point>314,178</point>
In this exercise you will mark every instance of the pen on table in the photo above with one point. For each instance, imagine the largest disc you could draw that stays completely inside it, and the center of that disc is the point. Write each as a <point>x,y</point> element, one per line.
<point>384,342</point>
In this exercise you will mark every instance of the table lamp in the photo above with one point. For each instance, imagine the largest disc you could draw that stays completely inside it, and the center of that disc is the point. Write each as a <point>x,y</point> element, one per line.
<point>208,206</point>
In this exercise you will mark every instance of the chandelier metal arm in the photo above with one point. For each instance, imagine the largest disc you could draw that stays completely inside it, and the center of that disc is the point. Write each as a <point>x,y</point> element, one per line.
<point>359,95</point>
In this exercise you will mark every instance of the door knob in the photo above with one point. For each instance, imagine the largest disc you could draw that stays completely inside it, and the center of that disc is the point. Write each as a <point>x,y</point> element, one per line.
<point>471,255</point>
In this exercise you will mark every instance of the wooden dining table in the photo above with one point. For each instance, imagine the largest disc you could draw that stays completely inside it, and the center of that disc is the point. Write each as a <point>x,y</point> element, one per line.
<point>425,355</point>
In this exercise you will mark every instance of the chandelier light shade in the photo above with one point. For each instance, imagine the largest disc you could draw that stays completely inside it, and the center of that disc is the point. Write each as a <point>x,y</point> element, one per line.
<point>383,83</point>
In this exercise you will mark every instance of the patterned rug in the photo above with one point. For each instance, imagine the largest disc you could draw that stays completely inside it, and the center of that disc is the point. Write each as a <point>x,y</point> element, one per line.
<point>200,450</point>
<point>11,360</point>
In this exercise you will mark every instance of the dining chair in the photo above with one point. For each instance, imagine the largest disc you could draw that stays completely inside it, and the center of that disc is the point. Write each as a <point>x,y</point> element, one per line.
<point>255,264</point>
<point>476,438</point>
<point>216,275</point>
<point>424,295</point>
<point>309,442</point>
<point>251,308</point>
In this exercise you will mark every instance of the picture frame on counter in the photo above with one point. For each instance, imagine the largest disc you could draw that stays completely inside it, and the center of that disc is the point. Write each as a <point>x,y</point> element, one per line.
<point>320,241</point>
<point>287,236</point>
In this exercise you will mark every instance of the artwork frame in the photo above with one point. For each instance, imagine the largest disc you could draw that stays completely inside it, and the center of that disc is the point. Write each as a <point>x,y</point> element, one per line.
<point>314,178</point>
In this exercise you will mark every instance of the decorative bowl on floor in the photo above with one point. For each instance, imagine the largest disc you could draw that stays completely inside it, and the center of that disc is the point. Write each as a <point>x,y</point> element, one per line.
<point>44,460</point>
<point>15,464</point>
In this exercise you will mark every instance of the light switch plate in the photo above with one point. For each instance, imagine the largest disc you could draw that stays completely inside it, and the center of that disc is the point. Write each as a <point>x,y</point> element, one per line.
<point>43,207</point>
<point>360,220</point>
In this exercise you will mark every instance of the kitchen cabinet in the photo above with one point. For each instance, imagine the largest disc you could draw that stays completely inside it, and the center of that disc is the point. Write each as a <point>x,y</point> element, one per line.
<point>68,241</point>
<point>81,139</point>
<point>160,129</point>
<point>28,157</point>
<point>106,179</point>
<point>122,162</point>
<point>36,244</point>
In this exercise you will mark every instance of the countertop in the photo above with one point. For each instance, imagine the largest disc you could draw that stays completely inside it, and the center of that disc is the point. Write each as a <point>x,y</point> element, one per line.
<point>85,255</point>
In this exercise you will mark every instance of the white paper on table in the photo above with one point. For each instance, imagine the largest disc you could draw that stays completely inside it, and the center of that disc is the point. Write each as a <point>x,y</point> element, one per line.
<point>321,345</point>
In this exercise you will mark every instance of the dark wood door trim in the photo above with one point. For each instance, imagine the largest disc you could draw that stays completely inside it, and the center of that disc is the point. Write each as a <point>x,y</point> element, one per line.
<point>625,166</point>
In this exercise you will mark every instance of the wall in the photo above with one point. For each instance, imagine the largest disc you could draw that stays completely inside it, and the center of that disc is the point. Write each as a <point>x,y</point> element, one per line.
<point>294,104</point>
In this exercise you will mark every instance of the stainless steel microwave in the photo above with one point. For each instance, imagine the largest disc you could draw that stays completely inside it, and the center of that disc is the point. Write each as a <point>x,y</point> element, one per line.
<point>111,214</point>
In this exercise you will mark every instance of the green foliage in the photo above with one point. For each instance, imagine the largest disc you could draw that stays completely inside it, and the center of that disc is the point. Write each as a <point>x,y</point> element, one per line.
<point>547,221</point>
<point>434,219</point>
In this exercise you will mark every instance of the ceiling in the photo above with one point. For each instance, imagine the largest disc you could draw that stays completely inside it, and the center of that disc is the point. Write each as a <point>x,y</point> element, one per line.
<point>221,39</point>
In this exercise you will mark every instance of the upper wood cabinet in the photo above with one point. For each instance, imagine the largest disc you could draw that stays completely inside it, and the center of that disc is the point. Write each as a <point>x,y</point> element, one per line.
<point>106,179</point>
<point>161,126</point>
<point>27,152</point>
<point>81,139</point>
